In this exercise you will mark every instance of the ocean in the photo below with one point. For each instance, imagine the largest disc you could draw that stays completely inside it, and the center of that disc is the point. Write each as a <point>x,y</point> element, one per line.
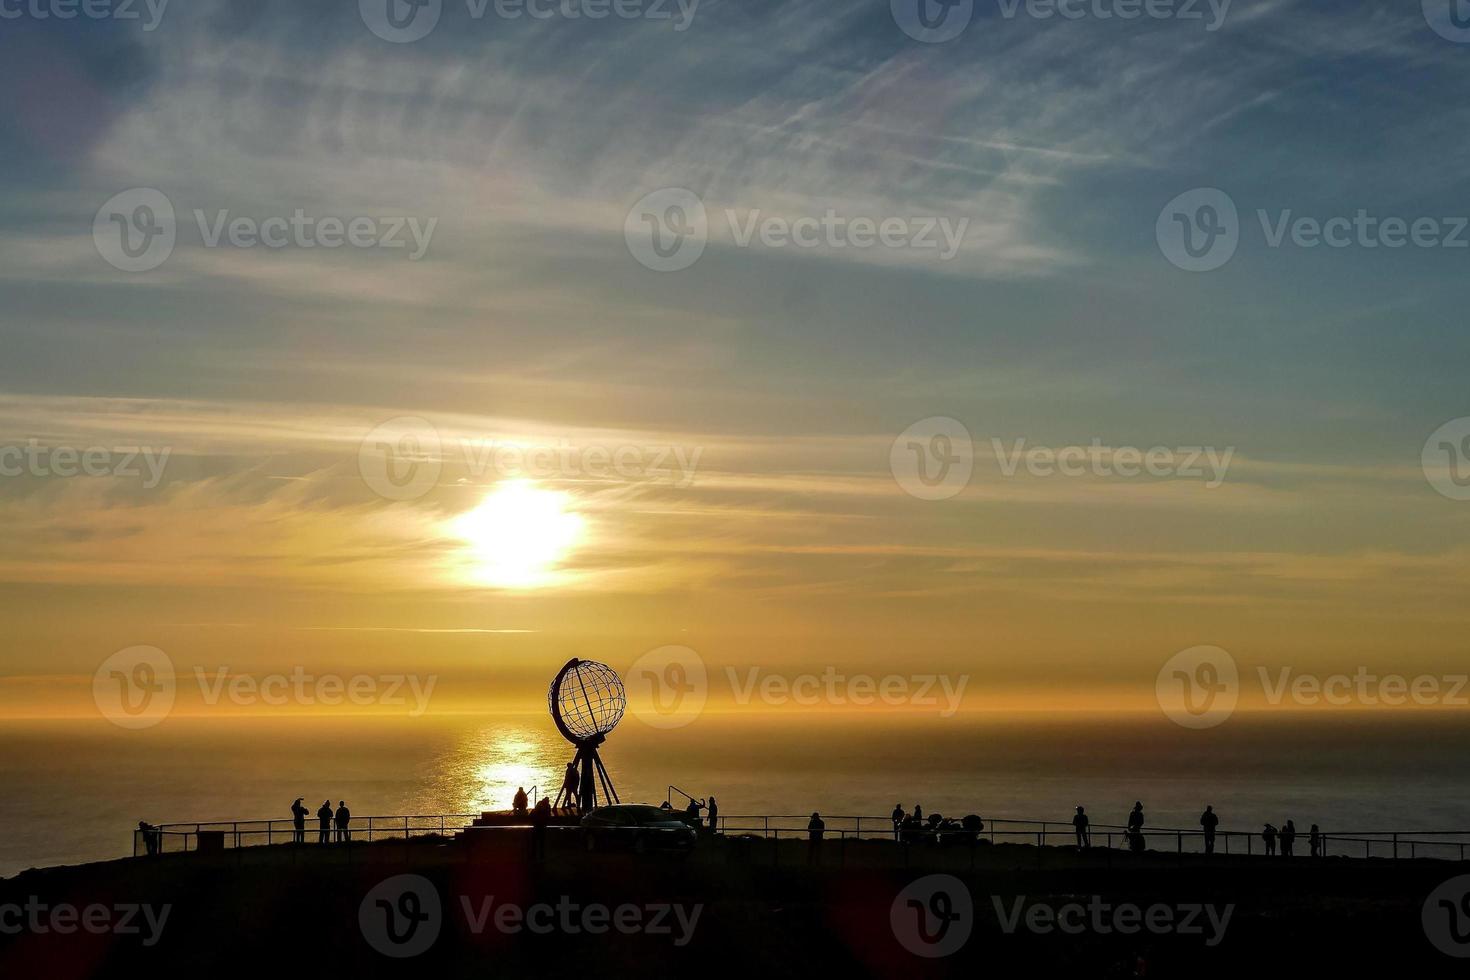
<point>74,790</point>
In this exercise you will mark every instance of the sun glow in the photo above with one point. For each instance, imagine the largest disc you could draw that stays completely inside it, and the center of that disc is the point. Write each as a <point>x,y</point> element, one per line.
<point>519,534</point>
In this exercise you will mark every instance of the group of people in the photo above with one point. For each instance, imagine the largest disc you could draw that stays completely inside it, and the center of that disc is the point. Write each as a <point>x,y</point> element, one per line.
<point>1287,837</point>
<point>328,821</point>
<point>691,812</point>
<point>912,827</point>
<point>1209,821</point>
<point>1082,827</point>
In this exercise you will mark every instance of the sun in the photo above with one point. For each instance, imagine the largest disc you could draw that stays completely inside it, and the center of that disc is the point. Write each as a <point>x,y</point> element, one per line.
<point>518,535</point>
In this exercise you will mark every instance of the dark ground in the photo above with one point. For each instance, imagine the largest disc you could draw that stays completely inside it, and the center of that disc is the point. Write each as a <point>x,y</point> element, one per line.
<point>295,911</point>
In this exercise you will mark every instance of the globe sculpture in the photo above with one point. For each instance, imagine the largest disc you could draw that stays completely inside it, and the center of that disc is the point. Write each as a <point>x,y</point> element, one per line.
<point>587,701</point>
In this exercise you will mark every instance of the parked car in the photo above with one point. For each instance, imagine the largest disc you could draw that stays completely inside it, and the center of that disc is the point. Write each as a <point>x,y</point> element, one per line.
<point>636,826</point>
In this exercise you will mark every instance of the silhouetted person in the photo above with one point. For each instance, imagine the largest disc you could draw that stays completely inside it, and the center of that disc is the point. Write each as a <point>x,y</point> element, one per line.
<point>972,825</point>
<point>691,812</point>
<point>518,803</point>
<point>151,837</point>
<point>1135,828</point>
<point>1288,838</point>
<point>1081,826</point>
<point>1315,841</point>
<point>540,817</point>
<point>570,783</point>
<point>298,822</point>
<point>897,816</point>
<point>714,815</point>
<point>324,822</point>
<point>918,813</point>
<point>814,830</point>
<point>1209,822</point>
<point>344,817</point>
<point>1269,836</point>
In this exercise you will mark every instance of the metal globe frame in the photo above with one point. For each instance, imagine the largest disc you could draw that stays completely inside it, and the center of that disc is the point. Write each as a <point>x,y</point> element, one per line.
<point>587,766</point>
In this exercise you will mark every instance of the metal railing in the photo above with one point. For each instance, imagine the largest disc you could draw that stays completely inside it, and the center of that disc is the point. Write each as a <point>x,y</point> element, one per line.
<point>1441,844</point>
<point>1444,845</point>
<point>172,837</point>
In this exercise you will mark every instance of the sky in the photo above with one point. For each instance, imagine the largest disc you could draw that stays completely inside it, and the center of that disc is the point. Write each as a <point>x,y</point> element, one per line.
<point>350,483</point>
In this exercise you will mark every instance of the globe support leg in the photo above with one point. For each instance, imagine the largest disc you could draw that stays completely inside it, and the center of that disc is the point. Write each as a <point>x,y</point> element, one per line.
<point>607,786</point>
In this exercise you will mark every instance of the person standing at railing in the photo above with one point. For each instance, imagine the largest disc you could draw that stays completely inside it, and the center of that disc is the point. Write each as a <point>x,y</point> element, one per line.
<point>1135,828</point>
<point>1209,822</point>
<point>815,828</point>
<point>1081,826</point>
<point>1315,841</point>
<point>898,815</point>
<point>151,836</point>
<point>518,804</point>
<point>324,822</point>
<point>1288,838</point>
<point>714,815</point>
<point>298,822</point>
<point>1269,836</point>
<point>344,817</point>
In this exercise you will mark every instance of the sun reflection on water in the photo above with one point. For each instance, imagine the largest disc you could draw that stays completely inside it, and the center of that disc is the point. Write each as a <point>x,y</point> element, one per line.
<point>490,763</point>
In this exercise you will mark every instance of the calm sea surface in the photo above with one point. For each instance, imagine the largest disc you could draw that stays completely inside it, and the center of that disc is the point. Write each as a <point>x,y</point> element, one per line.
<point>73,790</point>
